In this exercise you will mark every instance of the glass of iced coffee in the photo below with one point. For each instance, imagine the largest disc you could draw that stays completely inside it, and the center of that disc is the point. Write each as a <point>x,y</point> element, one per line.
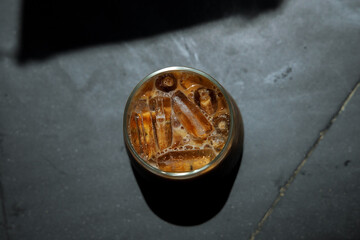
<point>180,123</point>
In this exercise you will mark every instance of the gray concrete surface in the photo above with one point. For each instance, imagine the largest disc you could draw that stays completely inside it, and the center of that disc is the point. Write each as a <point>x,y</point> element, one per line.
<point>64,168</point>
<point>2,222</point>
<point>323,201</point>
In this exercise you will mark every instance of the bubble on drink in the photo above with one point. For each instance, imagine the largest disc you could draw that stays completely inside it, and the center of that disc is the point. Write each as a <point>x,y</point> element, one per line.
<point>178,121</point>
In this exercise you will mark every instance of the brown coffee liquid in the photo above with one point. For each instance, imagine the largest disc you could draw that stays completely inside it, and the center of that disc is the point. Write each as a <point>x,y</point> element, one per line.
<point>178,121</point>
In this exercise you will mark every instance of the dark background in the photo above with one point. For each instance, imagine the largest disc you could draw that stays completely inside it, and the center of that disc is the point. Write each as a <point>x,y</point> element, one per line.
<point>66,70</point>
<point>48,27</point>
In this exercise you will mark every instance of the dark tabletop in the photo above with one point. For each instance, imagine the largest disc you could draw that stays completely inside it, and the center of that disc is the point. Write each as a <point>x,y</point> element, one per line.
<point>66,71</point>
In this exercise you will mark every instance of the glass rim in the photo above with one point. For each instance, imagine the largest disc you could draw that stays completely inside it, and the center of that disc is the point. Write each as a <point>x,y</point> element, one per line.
<point>178,175</point>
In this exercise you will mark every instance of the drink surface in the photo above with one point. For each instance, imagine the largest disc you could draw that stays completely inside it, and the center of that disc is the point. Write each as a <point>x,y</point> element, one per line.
<point>178,121</point>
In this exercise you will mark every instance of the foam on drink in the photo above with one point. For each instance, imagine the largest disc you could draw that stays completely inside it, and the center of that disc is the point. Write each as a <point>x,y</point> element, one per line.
<point>178,121</point>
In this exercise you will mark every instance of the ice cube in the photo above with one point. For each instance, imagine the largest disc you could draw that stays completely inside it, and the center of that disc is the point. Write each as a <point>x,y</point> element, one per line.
<point>222,104</point>
<point>141,129</point>
<point>184,161</point>
<point>134,132</point>
<point>161,111</point>
<point>190,116</point>
<point>178,137</point>
<point>140,105</point>
<point>217,142</point>
<point>148,134</point>
<point>205,98</point>
<point>190,81</point>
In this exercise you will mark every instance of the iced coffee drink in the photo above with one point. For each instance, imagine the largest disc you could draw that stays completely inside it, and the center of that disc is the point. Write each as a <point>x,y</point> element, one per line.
<point>177,120</point>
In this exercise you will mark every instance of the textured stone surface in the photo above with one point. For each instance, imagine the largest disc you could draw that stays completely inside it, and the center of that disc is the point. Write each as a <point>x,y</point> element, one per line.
<point>2,233</point>
<point>323,202</point>
<point>2,222</point>
<point>65,171</point>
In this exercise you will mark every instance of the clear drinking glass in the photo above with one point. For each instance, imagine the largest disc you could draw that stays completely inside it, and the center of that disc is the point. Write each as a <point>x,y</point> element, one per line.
<point>224,161</point>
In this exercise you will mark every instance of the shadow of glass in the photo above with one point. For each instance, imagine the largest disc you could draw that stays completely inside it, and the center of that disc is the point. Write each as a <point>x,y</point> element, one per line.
<point>186,202</point>
<point>50,27</point>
